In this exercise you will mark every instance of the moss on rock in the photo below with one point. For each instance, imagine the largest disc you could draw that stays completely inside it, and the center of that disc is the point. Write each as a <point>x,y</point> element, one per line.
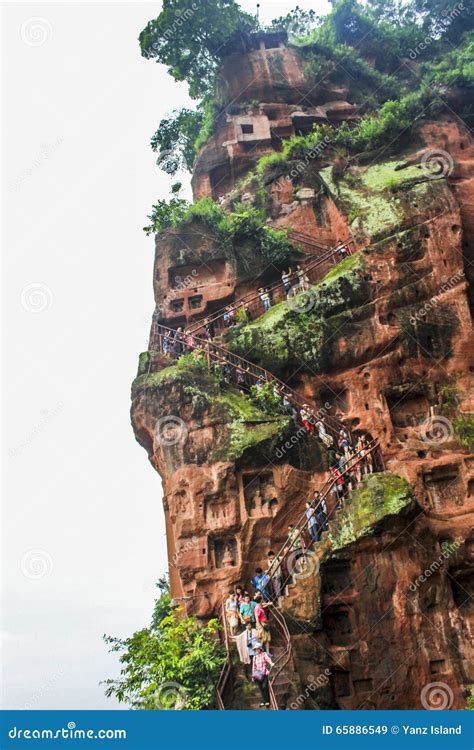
<point>377,497</point>
<point>284,337</point>
<point>383,197</point>
<point>200,396</point>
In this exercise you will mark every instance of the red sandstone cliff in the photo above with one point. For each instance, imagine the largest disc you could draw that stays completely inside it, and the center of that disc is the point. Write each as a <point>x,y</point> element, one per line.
<point>386,346</point>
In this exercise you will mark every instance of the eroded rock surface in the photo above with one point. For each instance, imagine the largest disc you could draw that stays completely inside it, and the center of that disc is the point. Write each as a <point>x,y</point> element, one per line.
<point>385,344</point>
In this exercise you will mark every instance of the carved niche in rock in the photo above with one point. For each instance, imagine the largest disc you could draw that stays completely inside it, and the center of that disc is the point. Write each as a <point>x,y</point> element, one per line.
<point>223,552</point>
<point>444,486</point>
<point>408,410</point>
<point>220,513</point>
<point>260,493</point>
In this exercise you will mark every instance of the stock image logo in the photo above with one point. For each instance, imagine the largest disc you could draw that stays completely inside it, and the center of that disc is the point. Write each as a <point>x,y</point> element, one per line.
<point>36,31</point>
<point>436,696</point>
<point>36,564</point>
<point>302,564</point>
<point>437,164</point>
<point>170,696</point>
<point>436,430</point>
<point>170,430</point>
<point>36,298</point>
<point>301,300</point>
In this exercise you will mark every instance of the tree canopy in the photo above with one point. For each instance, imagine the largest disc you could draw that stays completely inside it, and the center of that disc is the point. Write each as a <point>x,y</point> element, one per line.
<point>362,46</point>
<point>188,36</point>
<point>173,664</point>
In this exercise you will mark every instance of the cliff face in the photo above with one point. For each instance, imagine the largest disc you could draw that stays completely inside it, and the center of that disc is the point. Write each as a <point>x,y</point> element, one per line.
<point>383,341</point>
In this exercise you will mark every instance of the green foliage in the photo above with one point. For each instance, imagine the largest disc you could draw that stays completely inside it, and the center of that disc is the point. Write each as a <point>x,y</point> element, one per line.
<point>187,36</point>
<point>173,664</point>
<point>266,399</point>
<point>464,430</point>
<point>376,498</point>
<point>162,606</point>
<point>165,214</point>
<point>449,396</point>
<point>297,22</point>
<point>438,18</point>
<point>285,338</point>
<point>456,68</point>
<point>175,138</point>
<point>245,225</point>
<point>211,107</point>
<point>341,64</point>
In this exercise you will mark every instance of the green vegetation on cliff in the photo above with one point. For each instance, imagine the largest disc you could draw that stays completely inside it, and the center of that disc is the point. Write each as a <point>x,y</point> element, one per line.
<point>173,664</point>
<point>231,230</point>
<point>302,333</point>
<point>380,200</point>
<point>241,422</point>
<point>378,497</point>
<point>364,48</point>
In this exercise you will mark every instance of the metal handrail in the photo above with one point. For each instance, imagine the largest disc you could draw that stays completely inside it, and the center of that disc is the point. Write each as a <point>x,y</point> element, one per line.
<point>219,354</point>
<point>286,549</point>
<point>226,672</point>
<point>250,297</point>
<point>284,658</point>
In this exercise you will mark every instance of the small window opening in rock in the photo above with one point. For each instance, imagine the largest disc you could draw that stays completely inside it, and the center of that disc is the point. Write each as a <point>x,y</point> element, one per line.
<point>421,454</point>
<point>461,146</point>
<point>247,128</point>
<point>271,45</point>
<point>195,302</point>
<point>366,406</point>
<point>455,229</point>
<point>177,305</point>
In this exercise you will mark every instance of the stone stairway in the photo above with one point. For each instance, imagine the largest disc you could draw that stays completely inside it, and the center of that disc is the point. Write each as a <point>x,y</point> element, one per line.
<point>246,694</point>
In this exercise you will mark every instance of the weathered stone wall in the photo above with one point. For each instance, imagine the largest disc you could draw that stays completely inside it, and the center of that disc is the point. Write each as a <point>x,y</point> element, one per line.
<point>387,343</point>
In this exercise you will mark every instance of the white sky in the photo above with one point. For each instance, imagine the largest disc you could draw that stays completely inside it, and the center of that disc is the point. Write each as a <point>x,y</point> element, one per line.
<point>81,503</point>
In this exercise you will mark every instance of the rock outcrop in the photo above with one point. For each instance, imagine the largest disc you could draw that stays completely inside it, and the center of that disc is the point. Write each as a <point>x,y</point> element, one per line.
<point>383,342</point>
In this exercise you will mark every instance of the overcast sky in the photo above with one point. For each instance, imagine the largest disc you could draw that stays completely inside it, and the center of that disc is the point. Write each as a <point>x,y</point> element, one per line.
<point>82,525</point>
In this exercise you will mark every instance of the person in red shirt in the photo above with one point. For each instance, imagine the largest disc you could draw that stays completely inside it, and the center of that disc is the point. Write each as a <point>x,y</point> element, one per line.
<point>261,621</point>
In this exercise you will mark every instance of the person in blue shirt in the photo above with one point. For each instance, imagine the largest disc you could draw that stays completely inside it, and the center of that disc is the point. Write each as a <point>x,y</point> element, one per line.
<point>260,582</point>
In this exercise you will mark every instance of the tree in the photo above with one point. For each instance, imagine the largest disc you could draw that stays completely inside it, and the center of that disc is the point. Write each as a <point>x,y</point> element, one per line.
<point>173,664</point>
<point>188,36</point>
<point>165,214</point>
<point>297,22</point>
<point>446,19</point>
<point>175,138</point>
